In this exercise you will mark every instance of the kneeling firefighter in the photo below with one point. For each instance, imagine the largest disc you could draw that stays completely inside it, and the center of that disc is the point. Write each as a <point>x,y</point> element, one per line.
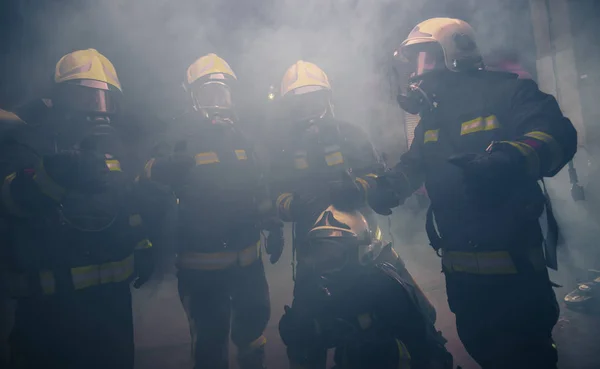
<point>73,231</point>
<point>484,140</point>
<point>214,173</point>
<point>319,160</point>
<point>354,301</point>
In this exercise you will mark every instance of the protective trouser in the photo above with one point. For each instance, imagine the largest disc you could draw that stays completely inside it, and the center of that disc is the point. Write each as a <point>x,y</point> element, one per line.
<point>507,322</point>
<point>90,328</point>
<point>217,301</point>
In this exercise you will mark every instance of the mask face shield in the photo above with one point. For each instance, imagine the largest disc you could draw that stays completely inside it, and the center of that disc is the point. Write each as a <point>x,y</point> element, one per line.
<point>91,98</point>
<point>307,103</point>
<point>329,251</point>
<point>417,60</point>
<point>213,99</point>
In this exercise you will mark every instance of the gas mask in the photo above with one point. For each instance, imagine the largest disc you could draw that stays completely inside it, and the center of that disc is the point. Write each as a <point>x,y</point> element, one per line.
<point>213,101</point>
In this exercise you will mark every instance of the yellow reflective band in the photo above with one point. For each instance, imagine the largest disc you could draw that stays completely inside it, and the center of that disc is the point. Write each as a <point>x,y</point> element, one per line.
<point>47,282</point>
<point>431,135</point>
<point>403,355</point>
<point>94,275</point>
<point>113,165</point>
<point>364,321</point>
<point>335,158</point>
<point>148,168</point>
<point>207,158</point>
<point>257,343</point>
<point>241,154</point>
<point>283,204</point>
<point>219,260</point>
<point>135,220</point>
<point>364,184</point>
<point>378,235</point>
<point>7,199</point>
<point>143,244</point>
<point>46,184</point>
<point>489,263</point>
<point>554,148</point>
<point>371,175</point>
<point>531,157</point>
<point>479,124</point>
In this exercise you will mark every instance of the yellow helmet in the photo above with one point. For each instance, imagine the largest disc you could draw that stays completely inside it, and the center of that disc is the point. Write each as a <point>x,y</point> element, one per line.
<point>7,116</point>
<point>455,37</point>
<point>339,238</point>
<point>86,65</point>
<point>206,66</point>
<point>303,74</point>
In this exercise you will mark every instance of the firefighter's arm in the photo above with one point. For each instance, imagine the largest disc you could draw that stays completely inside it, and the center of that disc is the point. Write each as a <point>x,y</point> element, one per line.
<point>143,253</point>
<point>365,161</point>
<point>543,138</point>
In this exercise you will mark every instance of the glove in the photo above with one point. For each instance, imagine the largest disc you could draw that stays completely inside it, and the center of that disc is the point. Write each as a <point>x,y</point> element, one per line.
<point>81,171</point>
<point>144,267</point>
<point>296,330</point>
<point>487,176</point>
<point>275,240</point>
<point>383,198</point>
<point>346,193</point>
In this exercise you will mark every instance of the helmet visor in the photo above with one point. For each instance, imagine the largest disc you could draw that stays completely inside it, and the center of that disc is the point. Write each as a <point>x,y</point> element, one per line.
<point>419,59</point>
<point>87,96</point>
<point>330,254</point>
<point>306,103</point>
<point>212,95</point>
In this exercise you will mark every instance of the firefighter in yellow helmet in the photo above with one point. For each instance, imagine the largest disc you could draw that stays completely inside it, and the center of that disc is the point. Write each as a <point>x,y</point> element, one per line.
<point>317,161</point>
<point>73,229</point>
<point>215,175</point>
<point>484,140</point>
<point>357,303</point>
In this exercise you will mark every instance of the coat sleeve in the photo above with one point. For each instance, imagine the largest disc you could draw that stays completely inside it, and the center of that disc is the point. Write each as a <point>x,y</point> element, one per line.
<point>363,159</point>
<point>409,174</point>
<point>545,139</point>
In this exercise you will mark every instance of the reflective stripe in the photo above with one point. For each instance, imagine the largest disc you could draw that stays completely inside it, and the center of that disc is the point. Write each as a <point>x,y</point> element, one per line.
<point>48,282</point>
<point>479,124</point>
<point>148,168</point>
<point>431,135</point>
<point>300,160</point>
<point>93,275</point>
<point>241,154</point>
<point>46,184</point>
<point>556,151</point>
<point>257,343</point>
<point>219,260</point>
<point>335,158</point>
<point>210,157</point>
<point>135,220</point>
<point>283,204</point>
<point>493,262</point>
<point>113,165</point>
<point>531,157</point>
<point>7,199</point>
<point>363,183</point>
<point>143,244</point>
<point>403,355</point>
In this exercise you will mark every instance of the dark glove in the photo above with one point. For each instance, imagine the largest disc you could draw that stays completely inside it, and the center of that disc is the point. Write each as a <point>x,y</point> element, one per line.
<point>383,198</point>
<point>275,240</point>
<point>81,171</point>
<point>346,193</point>
<point>487,176</point>
<point>296,330</point>
<point>144,267</point>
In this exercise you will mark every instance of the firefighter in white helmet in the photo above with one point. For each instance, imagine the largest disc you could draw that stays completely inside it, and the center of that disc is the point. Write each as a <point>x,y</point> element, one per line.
<point>214,173</point>
<point>484,140</point>
<point>320,160</point>
<point>357,303</point>
<point>73,229</point>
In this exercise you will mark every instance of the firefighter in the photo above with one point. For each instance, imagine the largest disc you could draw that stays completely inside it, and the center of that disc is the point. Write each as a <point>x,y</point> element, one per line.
<point>357,305</point>
<point>317,161</point>
<point>484,140</point>
<point>214,173</point>
<point>73,232</point>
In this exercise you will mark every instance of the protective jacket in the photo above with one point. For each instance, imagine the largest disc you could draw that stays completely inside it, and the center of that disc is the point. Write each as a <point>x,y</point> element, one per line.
<point>471,111</point>
<point>308,160</point>
<point>215,176</point>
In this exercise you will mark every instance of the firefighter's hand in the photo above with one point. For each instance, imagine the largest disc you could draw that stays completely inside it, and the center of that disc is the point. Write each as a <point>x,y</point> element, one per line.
<point>383,198</point>
<point>144,267</point>
<point>486,175</point>
<point>275,240</point>
<point>346,193</point>
<point>81,171</point>
<point>296,330</point>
